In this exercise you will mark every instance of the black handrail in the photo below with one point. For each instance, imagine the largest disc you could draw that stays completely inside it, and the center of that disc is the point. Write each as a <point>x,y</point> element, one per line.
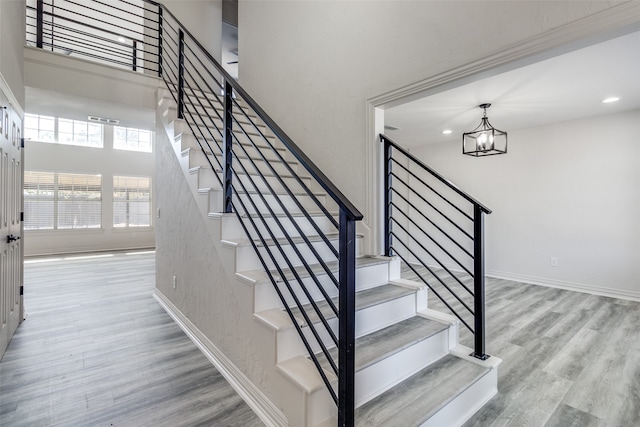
<point>428,242</point>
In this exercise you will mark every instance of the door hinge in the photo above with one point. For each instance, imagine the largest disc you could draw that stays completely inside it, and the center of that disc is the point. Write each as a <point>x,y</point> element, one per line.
<point>22,290</point>
<point>21,216</point>
<point>21,142</point>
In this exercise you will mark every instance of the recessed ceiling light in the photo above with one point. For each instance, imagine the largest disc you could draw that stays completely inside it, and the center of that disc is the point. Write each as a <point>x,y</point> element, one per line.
<point>610,100</point>
<point>447,132</point>
<point>122,39</point>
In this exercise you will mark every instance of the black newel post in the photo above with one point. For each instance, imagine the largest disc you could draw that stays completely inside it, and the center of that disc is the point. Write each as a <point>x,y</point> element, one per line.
<point>160,42</point>
<point>387,197</point>
<point>478,283</point>
<point>39,23</point>
<point>227,147</point>
<point>135,55</point>
<point>347,316</point>
<point>180,74</point>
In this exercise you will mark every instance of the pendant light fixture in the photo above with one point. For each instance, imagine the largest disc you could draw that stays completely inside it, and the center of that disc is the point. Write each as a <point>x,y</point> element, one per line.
<point>485,140</point>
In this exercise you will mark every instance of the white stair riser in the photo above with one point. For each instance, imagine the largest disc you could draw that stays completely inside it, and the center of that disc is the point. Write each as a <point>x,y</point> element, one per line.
<point>203,177</point>
<point>232,229</point>
<point>267,298</point>
<point>306,409</point>
<point>367,320</point>
<point>246,258</point>
<point>375,379</point>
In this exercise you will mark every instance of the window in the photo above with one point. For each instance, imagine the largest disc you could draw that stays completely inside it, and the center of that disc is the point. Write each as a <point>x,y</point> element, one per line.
<point>131,201</point>
<point>131,139</point>
<point>62,201</point>
<point>39,200</point>
<point>68,132</point>
<point>79,201</point>
<point>40,128</point>
<point>76,132</point>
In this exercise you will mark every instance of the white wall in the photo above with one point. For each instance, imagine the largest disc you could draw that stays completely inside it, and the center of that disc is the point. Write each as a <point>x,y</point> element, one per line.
<point>313,65</point>
<point>203,18</point>
<point>568,191</point>
<point>12,21</point>
<point>107,162</point>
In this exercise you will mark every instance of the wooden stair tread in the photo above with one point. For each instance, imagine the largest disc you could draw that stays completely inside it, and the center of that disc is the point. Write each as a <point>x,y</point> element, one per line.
<point>261,275</point>
<point>379,345</point>
<point>420,396</point>
<point>364,299</point>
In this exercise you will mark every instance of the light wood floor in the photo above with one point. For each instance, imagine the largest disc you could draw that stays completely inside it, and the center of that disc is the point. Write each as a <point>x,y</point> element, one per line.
<point>97,350</point>
<point>569,358</point>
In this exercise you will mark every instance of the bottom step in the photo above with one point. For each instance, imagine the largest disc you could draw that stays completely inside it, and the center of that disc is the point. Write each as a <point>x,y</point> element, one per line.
<point>446,393</point>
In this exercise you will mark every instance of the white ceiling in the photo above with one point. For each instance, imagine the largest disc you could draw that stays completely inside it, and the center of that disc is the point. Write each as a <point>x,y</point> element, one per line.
<point>562,88</point>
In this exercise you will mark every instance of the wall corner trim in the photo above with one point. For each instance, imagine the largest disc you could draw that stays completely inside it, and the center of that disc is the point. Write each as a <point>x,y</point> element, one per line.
<point>257,401</point>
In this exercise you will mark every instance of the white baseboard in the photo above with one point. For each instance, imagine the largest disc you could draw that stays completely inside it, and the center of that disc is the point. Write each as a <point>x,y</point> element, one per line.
<point>257,401</point>
<point>570,286</point>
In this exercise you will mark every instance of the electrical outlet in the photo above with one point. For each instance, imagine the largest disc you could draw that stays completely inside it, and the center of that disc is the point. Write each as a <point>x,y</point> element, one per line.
<point>158,213</point>
<point>554,261</point>
<point>174,282</point>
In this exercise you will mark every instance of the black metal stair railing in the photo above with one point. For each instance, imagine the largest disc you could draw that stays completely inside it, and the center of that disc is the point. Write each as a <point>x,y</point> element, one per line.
<point>269,183</point>
<point>437,230</point>
<point>300,226</point>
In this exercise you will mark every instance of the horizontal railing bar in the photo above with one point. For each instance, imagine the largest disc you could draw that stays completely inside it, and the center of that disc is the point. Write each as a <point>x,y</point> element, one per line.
<point>325,183</point>
<point>93,18</point>
<point>434,274</point>
<point>84,24</point>
<point>96,47</point>
<point>77,52</point>
<point>293,174</point>
<point>411,235</point>
<point>455,313</point>
<point>129,12</point>
<point>62,31</point>
<point>436,175</point>
<point>286,165</point>
<point>291,316</point>
<point>453,205</point>
<point>411,205</point>
<point>109,15</point>
<point>299,205</point>
<point>295,273</point>
<point>292,244</point>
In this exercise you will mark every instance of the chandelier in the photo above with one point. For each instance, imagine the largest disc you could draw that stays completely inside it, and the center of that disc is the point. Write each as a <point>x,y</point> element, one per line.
<point>484,140</point>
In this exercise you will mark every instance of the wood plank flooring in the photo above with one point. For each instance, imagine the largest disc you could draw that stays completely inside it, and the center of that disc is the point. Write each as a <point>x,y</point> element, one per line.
<point>97,350</point>
<point>569,358</point>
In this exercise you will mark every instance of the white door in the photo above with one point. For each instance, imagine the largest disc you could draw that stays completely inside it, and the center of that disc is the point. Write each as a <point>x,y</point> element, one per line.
<point>11,252</point>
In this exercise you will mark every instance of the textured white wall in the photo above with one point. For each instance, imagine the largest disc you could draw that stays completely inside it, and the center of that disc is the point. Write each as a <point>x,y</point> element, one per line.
<point>12,21</point>
<point>567,190</point>
<point>314,64</point>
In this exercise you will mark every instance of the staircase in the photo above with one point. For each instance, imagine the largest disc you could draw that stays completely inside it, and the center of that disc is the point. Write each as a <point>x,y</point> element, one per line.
<point>343,339</point>
<point>409,367</point>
